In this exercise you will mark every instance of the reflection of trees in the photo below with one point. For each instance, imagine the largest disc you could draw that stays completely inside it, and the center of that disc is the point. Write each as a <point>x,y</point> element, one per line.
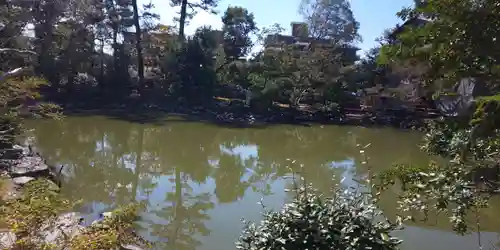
<point>185,157</point>
<point>183,217</point>
<point>98,157</point>
<point>109,146</point>
<point>116,162</point>
<point>74,145</point>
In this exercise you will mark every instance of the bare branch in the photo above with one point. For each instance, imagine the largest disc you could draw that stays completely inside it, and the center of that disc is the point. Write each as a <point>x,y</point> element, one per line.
<point>7,50</point>
<point>13,73</point>
<point>190,5</point>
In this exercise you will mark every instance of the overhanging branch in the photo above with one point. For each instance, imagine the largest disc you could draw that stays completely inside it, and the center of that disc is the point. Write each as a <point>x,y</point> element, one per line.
<point>13,73</point>
<point>10,50</point>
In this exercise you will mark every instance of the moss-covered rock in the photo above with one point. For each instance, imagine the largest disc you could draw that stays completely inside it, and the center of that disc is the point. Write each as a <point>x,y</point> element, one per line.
<point>114,231</point>
<point>41,218</point>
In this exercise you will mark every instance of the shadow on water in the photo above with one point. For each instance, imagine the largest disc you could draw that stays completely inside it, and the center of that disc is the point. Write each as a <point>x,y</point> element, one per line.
<point>160,117</point>
<point>220,115</point>
<point>198,181</point>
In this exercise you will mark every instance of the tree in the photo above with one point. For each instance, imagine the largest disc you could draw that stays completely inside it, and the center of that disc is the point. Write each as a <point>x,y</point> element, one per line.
<point>138,46</point>
<point>204,5</point>
<point>45,15</point>
<point>330,19</point>
<point>451,45</point>
<point>369,70</point>
<point>118,18</point>
<point>191,68</point>
<point>16,89</point>
<point>296,73</point>
<point>333,26</point>
<point>293,75</point>
<point>74,40</point>
<point>317,73</point>
<point>238,24</point>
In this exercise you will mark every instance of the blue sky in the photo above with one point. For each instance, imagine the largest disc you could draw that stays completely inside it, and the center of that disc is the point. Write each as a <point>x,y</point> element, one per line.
<point>374,15</point>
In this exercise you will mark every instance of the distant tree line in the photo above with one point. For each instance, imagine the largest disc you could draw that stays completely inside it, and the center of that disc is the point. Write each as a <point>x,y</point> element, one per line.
<point>90,48</point>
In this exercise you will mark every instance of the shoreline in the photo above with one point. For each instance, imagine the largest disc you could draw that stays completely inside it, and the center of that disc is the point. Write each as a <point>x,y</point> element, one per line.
<point>246,117</point>
<point>28,184</point>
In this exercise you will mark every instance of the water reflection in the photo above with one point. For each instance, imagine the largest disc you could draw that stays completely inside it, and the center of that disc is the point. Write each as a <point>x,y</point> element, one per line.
<point>199,180</point>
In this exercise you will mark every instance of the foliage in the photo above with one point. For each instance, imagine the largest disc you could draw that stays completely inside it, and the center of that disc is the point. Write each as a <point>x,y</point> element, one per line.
<point>318,73</point>
<point>79,38</point>
<point>472,137</point>
<point>204,5</point>
<point>348,220</point>
<point>192,67</point>
<point>462,186</point>
<point>450,44</point>
<point>327,19</point>
<point>444,189</point>
<point>16,93</point>
<point>238,25</point>
<point>449,47</point>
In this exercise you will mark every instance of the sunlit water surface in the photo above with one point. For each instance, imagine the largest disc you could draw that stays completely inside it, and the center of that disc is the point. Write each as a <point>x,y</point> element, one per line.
<point>199,180</point>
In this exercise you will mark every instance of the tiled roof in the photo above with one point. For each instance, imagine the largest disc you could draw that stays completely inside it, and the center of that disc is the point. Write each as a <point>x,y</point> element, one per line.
<point>416,22</point>
<point>278,39</point>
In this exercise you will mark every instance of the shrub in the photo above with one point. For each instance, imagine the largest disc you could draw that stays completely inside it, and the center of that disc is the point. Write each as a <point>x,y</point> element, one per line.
<point>440,188</point>
<point>348,220</point>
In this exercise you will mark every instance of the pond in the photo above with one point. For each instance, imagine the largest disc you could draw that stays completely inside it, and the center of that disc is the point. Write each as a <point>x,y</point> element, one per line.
<point>199,180</point>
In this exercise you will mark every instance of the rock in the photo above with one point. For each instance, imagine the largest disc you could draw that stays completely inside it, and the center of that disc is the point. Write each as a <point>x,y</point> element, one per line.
<point>53,186</point>
<point>107,214</point>
<point>9,190</point>
<point>11,153</point>
<point>30,166</point>
<point>130,247</point>
<point>96,223</point>
<point>23,180</point>
<point>65,227</point>
<point>5,164</point>
<point>7,240</point>
<point>25,150</point>
<point>102,216</point>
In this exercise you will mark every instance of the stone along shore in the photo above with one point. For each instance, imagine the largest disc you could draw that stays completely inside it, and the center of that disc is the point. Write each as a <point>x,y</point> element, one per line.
<point>19,166</point>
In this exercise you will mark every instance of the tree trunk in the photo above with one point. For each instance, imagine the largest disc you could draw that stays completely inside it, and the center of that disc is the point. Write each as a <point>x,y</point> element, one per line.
<point>101,66</point>
<point>138,163</point>
<point>178,217</point>
<point>182,21</point>
<point>115,50</point>
<point>138,47</point>
<point>71,70</point>
<point>44,35</point>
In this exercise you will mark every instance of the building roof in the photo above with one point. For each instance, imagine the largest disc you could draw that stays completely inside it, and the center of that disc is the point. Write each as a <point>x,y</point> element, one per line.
<point>146,36</point>
<point>279,39</point>
<point>415,22</point>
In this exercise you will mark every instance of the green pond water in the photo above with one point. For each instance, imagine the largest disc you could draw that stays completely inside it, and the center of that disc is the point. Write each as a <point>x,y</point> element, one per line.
<point>199,180</point>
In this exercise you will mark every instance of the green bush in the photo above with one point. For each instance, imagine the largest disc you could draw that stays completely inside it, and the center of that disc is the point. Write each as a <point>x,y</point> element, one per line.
<point>438,188</point>
<point>348,220</point>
